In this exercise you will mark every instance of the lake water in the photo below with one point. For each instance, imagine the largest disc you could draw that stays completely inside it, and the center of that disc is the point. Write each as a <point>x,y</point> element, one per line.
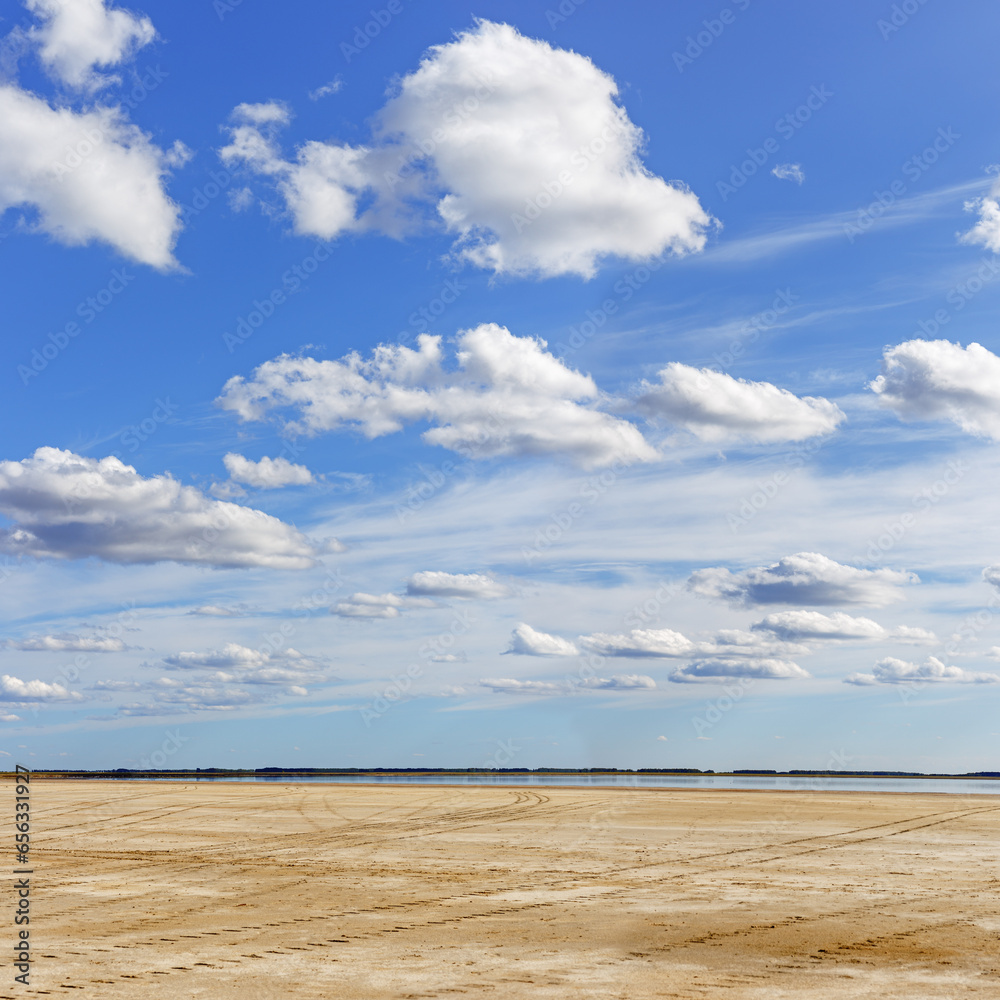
<point>953,786</point>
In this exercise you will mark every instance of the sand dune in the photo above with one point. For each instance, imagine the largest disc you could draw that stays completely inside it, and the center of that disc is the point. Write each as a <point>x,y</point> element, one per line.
<point>371,892</point>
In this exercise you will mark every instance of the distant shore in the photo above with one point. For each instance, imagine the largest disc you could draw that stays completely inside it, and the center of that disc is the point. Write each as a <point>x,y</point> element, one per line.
<point>223,772</point>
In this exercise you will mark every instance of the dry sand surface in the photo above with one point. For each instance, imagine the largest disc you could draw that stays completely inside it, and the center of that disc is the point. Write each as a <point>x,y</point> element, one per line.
<point>338,891</point>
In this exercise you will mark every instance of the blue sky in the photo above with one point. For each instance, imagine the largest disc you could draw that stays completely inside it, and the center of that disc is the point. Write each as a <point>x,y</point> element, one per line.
<point>515,386</point>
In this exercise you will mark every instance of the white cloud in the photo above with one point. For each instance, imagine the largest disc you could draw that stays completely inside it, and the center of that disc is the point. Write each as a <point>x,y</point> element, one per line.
<point>66,506</point>
<point>68,642</point>
<point>508,685</point>
<point>320,188</point>
<point>91,175</point>
<point>333,87</point>
<point>368,606</point>
<point>434,583</point>
<point>617,682</point>
<point>991,575</point>
<point>789,172</point>
<point>117,686</point>
<point>663,642</point>
<point>267,113</point>
<point>14,689</point>
<point>9,718</point>
<point>620,682</point>
<point>217,611</point>
<point>194,698</point>
<point>520,147</point>
<point>728,642</point>
<point>666,643</point>
<point>268,473</point>
<point>239,664</point>
<point>915,636</point>
<point>893,671</point>
<point>240,676</point>
<point>794,625</point>
<point>231,655</point>
<point>509,396</point>
<point>935,379</point>
<point>77,35</point>
<point>714,406</point>
<point>378,605</point>
<point>763,668</point>
<point>803,578</point>
<point>986,232</point>
<point>527,642</point>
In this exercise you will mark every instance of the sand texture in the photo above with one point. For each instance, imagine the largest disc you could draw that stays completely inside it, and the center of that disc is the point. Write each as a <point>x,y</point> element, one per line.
<point>335,891</point>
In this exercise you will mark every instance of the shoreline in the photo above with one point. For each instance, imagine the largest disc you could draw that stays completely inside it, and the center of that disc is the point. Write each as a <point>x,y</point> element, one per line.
<point>550,786</point>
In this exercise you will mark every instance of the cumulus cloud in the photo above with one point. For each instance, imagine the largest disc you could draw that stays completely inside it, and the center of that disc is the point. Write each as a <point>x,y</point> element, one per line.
<point>526,641</point>
<point>116,686</point>
<point>75,36</point>
<point>762,668</point>
<point>17,690</point>
<point>666,643</point>
<point>803,578</point>
<point>938,380</point>
<point>234,676</point>
<point>793,625</point>
<point>268,473</point>
<point>517,148</point>
<point>68,642</point>
<point>82,172</point>
<point>509,685</point>
<point>239,664</point>
<point>231,655</point>
<point>183,698</point>
<point>90,175</point>
<point>620,682</point>
<point>662,642</point>
<point>321,187</point>
<point>508,397</point>
<point>914,636</point>
<point>218,611</point>
<point>434,583</point>
<point>378,605</point>
<point>893,671</point>
<point>789,172</point>
<point>65,506</point>
<point>267,113</point>
<point>617,682</point>
<point>714,406</point>
<point>986,232</point>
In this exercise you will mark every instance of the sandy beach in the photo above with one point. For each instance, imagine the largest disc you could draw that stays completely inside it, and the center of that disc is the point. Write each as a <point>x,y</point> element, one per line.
<point>337,891</point>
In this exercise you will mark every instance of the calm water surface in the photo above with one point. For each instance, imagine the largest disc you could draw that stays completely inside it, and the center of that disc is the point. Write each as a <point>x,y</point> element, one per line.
<point>955,786</point>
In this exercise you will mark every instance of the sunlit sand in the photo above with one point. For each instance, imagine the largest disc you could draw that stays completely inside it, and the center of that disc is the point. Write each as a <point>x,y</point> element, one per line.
<point>335,891</point>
